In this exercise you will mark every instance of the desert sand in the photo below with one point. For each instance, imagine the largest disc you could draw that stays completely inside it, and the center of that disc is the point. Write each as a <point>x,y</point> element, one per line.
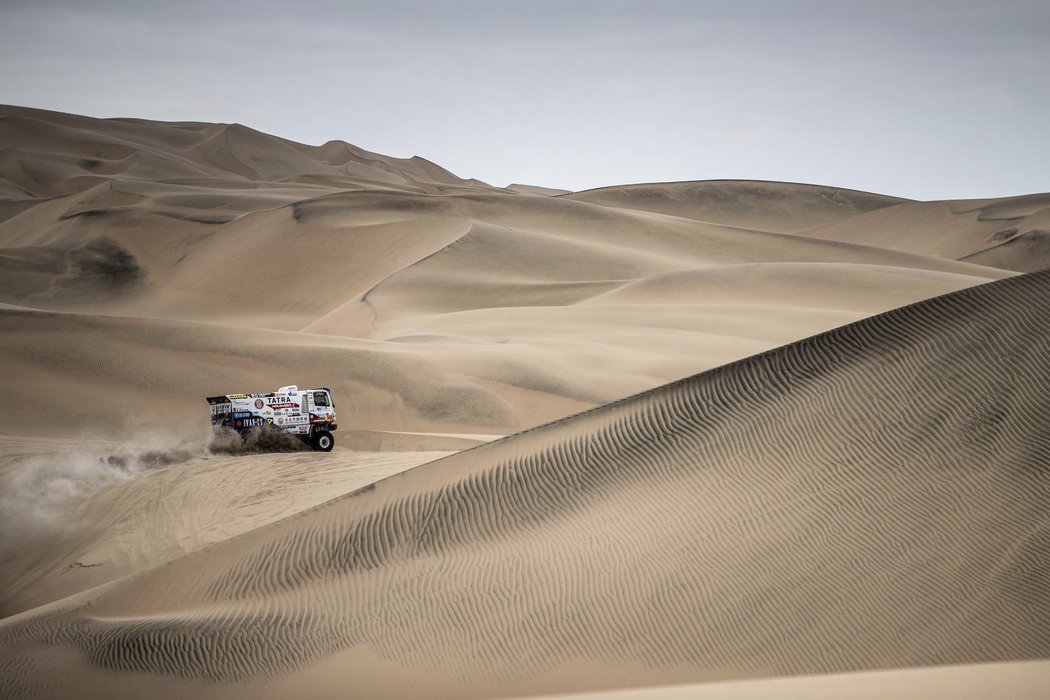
<point>761,439</point>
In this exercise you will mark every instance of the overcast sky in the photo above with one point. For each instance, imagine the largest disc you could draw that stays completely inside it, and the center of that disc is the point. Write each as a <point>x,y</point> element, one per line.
<point>921,99</point>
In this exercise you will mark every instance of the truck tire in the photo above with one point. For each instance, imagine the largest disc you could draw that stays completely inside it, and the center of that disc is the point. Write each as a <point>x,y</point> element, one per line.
<point>323,441</point>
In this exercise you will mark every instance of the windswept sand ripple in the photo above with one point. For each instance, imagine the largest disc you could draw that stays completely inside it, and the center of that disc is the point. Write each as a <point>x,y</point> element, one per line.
<point>872,497</point>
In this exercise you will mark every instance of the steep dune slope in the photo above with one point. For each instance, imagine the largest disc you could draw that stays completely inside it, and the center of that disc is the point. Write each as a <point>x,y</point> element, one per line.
<point>869,498</point>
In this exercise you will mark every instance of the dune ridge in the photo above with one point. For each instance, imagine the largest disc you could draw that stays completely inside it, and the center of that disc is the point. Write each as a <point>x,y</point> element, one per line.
<point>211,256</point>
<point>1011,233</point>
<point>869,498</point>
<point>771,206</point>
<point>784,514</point>
<point>50,153</point>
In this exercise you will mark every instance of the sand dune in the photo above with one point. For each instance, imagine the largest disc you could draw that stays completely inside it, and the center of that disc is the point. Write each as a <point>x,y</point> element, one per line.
<point>496,369</point>
<point>769,206</point>
<point>148,500</point>
<point>1011,233</point>
<point>432,303</point>
<point>1019,680</point>
<point>536,189</point>
<point>119,375</point>
<point>48,153</point>
<point>867,499</point>
<point>786,514</point>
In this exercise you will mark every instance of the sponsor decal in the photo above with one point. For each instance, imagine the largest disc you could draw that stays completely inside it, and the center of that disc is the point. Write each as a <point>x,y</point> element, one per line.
<point>220,408</point>
<point>291,420</point>
<point>259,403</point>
<point>242,414</point>
<point>247,423</point>
<point>236,396</point>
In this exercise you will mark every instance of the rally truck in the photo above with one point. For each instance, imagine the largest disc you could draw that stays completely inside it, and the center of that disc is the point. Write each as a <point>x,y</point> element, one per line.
<point>306,413</point>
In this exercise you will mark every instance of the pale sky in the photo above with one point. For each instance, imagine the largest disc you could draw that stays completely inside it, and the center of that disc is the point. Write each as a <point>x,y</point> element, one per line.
<point>921,99</point>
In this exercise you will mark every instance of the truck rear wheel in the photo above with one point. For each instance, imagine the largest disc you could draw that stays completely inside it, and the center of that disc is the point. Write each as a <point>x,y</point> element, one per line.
<point>323,441</point>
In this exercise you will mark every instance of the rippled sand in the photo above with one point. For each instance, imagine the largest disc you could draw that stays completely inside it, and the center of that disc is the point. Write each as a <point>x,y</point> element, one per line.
<point>762,439</point>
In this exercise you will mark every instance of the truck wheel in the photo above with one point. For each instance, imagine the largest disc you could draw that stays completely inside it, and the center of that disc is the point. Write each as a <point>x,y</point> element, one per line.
<point>323,441</point>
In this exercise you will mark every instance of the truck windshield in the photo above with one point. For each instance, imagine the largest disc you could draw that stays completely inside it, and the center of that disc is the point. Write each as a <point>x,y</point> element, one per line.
<point>321,398</point>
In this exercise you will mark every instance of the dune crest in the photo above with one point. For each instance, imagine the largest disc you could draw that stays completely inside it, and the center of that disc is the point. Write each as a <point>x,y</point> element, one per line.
<point>1012,233</point>
<point>772,206</point>
<point>430,303</point>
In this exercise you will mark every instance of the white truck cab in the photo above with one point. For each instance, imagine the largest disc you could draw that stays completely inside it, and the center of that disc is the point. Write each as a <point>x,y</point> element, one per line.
<point>307,413</point>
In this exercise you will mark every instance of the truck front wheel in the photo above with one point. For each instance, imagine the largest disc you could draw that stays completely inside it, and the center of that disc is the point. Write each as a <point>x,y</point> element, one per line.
<point>323,441</point>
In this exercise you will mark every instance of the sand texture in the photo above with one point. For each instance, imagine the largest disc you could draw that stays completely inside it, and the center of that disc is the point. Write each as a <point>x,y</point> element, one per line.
<point>699,439</point>
<point>142,507</point>
<point>770,206</point>
<point>184,259</point>
<point>785,514</point>
<point>1012,233</point>
<point>1018,681</point>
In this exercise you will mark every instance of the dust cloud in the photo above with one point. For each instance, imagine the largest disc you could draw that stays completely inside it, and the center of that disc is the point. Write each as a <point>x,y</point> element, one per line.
<point>40,493</point>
